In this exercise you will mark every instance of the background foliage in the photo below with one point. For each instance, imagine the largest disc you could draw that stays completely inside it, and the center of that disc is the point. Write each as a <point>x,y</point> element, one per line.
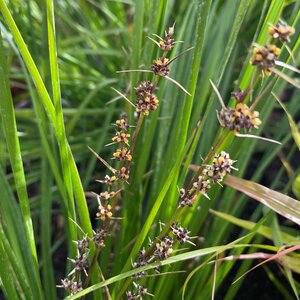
<point>56,101</point>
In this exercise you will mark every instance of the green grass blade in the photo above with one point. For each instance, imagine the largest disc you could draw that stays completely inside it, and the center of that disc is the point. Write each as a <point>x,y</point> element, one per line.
<point>59,124</point>
<point>14,151</point>
<point>46,232</point>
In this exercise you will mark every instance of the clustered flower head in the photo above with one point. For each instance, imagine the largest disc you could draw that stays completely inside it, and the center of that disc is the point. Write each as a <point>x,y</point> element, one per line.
<point>139,293</point>
<point>164,248</point>
<point>214,173</point>
<point>264,57</point>
<point>123,173</point>
<point>181,234</point>
<point>146,100</point>
<point>168,42</point>
<point>71,285</point>
<point>281,31</point>
<point>123,154</point>
<point>99,236</point>
<point>80,265</point>
<point>104,212</point>
<point>241,117</point>
<point>161,67</point>
<point>141,261</point>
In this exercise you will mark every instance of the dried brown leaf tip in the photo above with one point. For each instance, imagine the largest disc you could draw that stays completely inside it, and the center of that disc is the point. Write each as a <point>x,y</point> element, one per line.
<point>281,31</point>
<point>239,118</point>
<point>265,57</point>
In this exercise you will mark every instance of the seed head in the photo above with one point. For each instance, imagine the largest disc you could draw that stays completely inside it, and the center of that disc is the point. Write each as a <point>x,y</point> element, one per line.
<point>160,66</point>
<point>164,248</point>
<point>121,137</point>
<point>104,212</point>
<point>182,234</point>
<point>264,57</point>
<point>202,185</point>
<point>83,244</point>
<point>222,165</point>
<point>241,117</point>
<point>123,154</point>
<point>167,43</point>
<point>72,286</point>
<point>281,31</point>
<point>123,173</point>
<point>147,104</point>
<point>99,236</point>
<point>144,89</point>
<point>109,180</point>
<point>122,124</point>
<point>106,195</point>
<point>186,198</point>
<point>81,263</point>
<point>146,100</point>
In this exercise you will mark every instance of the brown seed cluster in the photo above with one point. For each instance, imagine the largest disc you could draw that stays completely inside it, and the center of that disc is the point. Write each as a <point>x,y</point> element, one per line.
<point>264,57</point>
<point>239,118</point>
<point>161,67</point>
<point>146,100</point>
<point>281,31</point>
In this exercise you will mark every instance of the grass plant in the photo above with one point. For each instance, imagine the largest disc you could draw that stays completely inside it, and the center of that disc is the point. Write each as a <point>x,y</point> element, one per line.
<point>115,164</point>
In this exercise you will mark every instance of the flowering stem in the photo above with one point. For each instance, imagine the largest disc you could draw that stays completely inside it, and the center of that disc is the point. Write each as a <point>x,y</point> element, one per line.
<point>209,156</point>
<point>136,133</point>
<point>91,268</point>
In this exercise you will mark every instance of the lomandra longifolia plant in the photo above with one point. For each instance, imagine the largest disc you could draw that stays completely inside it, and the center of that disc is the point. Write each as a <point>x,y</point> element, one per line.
<point>241,119</point>
<point>124,141</point>
<point>181,156</point>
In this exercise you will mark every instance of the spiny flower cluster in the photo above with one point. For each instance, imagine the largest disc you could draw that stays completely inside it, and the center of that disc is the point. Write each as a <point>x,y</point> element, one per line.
<point>214,173</point>
<point>161,67</point>
<point>162,249</point>
<point>281,31</point>
<point>80,265</point>
<point>264,57</point>
<point>139,293</point>
<point>239,118</point>
<point>72,286</point>
<point>167,43</point>
<point>146,100</point>
<point>81,260</point>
